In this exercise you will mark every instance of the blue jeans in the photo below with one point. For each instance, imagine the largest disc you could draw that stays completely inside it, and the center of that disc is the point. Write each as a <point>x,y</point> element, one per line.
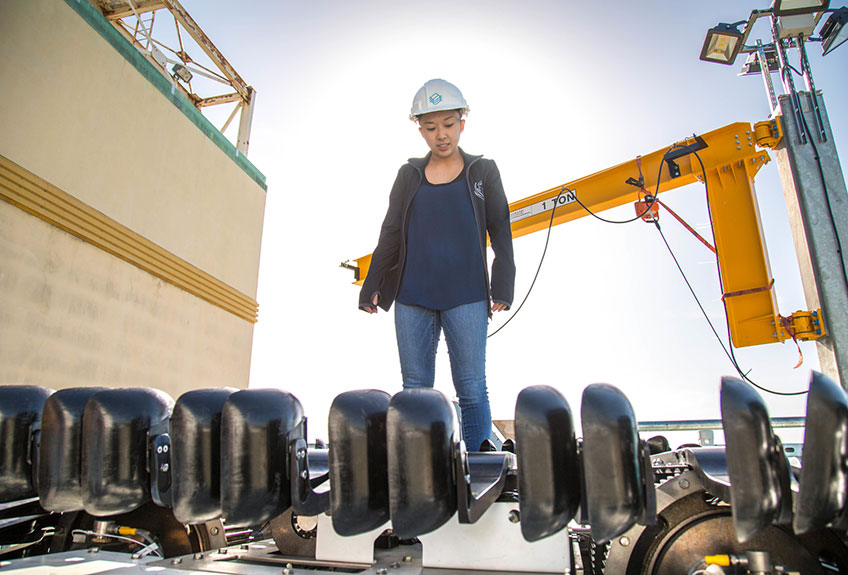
<point>418,330</point>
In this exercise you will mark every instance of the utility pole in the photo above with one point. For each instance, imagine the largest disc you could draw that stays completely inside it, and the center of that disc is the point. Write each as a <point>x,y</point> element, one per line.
<point>817,203</point>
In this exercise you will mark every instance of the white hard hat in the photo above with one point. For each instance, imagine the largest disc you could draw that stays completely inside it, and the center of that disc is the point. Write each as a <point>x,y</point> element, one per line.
<point>437,95</point>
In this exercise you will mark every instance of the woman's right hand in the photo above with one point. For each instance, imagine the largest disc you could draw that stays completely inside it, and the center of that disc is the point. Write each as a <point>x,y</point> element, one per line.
<point>373,307</point>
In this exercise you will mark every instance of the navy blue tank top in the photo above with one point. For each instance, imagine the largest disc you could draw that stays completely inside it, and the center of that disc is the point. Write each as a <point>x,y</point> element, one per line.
<point>444,266</point>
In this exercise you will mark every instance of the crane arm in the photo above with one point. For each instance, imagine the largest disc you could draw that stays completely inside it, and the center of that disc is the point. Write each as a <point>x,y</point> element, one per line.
<point>731,158</point>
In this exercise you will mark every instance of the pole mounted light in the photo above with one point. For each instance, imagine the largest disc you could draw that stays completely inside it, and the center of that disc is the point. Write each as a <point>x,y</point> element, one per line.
<point>834,32</point>
<point>723,43</point>
<point>794,7</point>
<point>793,24</point>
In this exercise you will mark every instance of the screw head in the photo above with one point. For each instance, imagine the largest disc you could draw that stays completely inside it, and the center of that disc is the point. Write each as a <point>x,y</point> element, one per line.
<point>624,541</point>
<point>514,516</point>
<point>684,484</point>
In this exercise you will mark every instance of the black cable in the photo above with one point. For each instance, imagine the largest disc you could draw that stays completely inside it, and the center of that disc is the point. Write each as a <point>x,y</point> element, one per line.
<point>817,158</point>
<point>729,349</point>
<point>732,355</point>
<point>542,259</point>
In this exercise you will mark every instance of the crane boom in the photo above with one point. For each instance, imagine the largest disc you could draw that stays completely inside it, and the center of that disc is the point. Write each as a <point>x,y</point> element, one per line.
<point>731,157</point>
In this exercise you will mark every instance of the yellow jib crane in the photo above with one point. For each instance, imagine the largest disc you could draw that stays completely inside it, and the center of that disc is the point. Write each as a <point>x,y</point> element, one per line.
<point>731,157</point>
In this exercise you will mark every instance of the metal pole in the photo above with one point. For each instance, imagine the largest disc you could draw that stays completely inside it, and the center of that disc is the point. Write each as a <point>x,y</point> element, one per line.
<point>811,88</point>
<point>817,204</point>
<point>788,82</point>
<point>764,70</point>
<point>245,121</point>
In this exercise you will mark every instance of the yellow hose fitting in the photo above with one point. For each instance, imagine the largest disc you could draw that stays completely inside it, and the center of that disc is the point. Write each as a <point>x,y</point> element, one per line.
<point>720,560</point>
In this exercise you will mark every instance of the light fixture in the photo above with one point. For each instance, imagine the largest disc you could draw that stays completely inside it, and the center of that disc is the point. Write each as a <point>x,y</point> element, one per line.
<point>834,32</point>
<point>752,63</point>
<point>792,7</point>
<point>184,74</point>
<point>722,44</point>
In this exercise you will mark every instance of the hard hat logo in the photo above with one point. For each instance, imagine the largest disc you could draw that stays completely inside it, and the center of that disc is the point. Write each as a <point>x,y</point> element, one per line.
<point>437,95</point>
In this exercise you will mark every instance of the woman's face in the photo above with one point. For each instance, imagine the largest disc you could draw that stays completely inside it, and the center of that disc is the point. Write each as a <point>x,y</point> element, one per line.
<point>441,131</point>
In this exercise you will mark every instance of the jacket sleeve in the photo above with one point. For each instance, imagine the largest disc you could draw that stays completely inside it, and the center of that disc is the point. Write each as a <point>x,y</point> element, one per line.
<point>500,235</point>
<point>385,256</point>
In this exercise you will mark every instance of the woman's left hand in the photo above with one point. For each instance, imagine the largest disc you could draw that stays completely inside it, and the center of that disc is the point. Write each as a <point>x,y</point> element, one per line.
<point>498,306</point>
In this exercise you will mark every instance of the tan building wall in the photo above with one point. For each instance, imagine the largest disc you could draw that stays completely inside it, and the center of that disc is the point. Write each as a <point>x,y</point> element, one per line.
<point>150,277</point>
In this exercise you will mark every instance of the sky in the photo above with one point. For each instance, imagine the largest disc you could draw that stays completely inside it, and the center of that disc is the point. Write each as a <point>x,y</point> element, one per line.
<point>557,90</point>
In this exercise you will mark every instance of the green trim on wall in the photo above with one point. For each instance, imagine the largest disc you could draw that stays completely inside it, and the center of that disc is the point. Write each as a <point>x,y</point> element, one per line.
<point>102,26</point>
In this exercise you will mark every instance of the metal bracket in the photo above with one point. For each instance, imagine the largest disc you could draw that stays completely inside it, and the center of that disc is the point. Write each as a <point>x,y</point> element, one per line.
<point>160,470</point>
<point>679,151</point>
<point>306,501</point>
<point>768,133</point>
<point>480,479</point>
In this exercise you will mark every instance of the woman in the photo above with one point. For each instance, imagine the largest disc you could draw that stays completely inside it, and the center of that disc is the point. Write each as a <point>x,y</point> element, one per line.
<point>431,258</point>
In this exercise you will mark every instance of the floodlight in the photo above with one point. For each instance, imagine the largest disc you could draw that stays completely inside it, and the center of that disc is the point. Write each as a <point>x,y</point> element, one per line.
<point>792,7</point>
<point>752,63</point>
<point>722,44</point>
<point>834,32</point>
<point>184,74</point>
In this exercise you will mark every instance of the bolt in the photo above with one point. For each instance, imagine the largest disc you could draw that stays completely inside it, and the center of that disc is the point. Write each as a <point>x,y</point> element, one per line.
<point>738,147</point>
<point>625,541</point>
<point>395,565</point>
<point>214,531</point>
<point>176,561</point>
<point>94,550</point>
<point>684,484</point>
<point>245,546</point>
<point>164,468</point>
<point>407,558</point>
<point>304,474</point>
<point>815,313</point>
<point>514,517</point>
<point>818,332</point>
<point>381,571</point>
<point>198,556</point>
<point>136,555</point>
<point>289,566</point>
<point>222,551</point>
<point>287,571</point>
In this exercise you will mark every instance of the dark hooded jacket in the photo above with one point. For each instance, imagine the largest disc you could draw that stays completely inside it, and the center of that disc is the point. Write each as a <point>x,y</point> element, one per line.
<point>491,212</point>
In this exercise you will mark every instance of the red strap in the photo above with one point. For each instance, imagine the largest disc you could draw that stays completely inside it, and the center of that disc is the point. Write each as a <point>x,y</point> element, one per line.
<point>786,322</point>
<point>687,226</point>
<point>748,291</point>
